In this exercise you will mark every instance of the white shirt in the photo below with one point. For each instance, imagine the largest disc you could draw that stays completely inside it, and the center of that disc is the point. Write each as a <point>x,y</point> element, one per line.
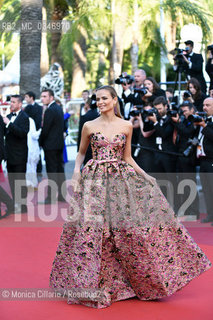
<point>13,118</point>
<point>189,58</point>
<point>200,150</point>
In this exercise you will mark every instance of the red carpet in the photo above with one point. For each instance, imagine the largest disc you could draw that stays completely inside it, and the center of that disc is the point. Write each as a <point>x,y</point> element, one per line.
<point>27,253</point>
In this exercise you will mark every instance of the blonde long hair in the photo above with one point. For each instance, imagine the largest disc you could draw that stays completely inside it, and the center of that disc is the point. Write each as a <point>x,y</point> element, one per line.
<point>113,94</point>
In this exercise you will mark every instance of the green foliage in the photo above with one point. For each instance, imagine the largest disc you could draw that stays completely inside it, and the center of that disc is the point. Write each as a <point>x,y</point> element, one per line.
<point>66,45</point>
<point>10,12</point>
<point>94,20</point>
<point>9,48</point>
<point>191,11</point>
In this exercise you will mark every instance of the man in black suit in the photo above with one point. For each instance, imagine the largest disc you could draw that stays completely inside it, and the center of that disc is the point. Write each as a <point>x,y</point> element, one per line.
<point>193,65</point>
<point>4,197</point>
<point>85,96</point>
<point>205,155</point>
<point>186,164</point>
<point>146,158</point>
<point>52,142</point>
<point>33,109</point>
<point>130,97</point>
<point>17,127</point>
<point>209,67</point>
<point>164,138</point>
<point>91,114</point>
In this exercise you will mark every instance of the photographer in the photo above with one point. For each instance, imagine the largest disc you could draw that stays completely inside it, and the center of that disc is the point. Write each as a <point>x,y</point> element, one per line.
<point>186,143</point>
<point>133,118</point>
<point>191,63</point>
<point>205,155</point>
<point>145,157</point>
<point>170,96</point>
<point>164,137</point>
<point>91,114</point>
<point>195,94</point>
<point>209,65</point>
<point>165,162</point>
<point>152,90</point>
<point>186,130</point>
<point>130,97</point>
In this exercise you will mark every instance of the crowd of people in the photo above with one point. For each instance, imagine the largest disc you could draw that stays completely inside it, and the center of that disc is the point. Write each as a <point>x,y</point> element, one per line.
<point>24,131</point>
<point>167,138</point>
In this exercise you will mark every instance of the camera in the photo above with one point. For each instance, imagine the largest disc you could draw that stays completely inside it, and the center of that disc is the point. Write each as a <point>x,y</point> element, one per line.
<point>135,113</point>
<point>180,62</point>
<point>181,52</point>
<point>142,91</point>
<point>192,143</point>
<point>148,113</point>
<point>198,117</point>
<point>173,111</point>
<point>210,48</point>
<point>125,78</point>
<point>187,94</point>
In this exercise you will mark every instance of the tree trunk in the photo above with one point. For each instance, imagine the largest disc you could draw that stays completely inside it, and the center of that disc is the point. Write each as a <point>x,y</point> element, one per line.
<point>30,46</point>
<point>44,67</point>
<point>59,12</point>
<point>134,56</point>
<point>135,32</point>
<point>79,66</point>
<point>118,27</point>
<point>170,38</point>
<point>101,67</point>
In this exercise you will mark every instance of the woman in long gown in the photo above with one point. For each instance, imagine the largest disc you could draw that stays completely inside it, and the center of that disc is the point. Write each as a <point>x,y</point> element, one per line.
<point>121,238</point>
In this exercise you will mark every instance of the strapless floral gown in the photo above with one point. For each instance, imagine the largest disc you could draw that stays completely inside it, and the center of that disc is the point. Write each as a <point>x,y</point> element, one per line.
<point>121,238</point>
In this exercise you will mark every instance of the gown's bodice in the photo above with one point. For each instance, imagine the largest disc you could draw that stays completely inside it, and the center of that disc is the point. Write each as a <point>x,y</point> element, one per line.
<point>105,150</point>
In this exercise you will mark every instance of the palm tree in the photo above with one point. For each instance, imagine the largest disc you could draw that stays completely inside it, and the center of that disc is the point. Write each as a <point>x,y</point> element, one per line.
<point>180,12</point>
<point>90,22</point>
<point>57,10</point>
<point>100,36</point>
<point>135,29</point>
<point>30,46</point>
<point>44,64</point>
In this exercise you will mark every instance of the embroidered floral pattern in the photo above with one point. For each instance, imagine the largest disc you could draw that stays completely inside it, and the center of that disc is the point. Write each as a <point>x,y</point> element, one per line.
<point>121,236</point>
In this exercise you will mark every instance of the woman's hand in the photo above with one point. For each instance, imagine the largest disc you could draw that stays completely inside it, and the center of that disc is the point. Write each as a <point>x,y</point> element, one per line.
<point>75,181</point>
<point>151,179</point>
<point>148,94</point>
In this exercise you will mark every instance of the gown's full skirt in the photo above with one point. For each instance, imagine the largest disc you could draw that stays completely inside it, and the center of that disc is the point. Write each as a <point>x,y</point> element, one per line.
<point>121,238</point>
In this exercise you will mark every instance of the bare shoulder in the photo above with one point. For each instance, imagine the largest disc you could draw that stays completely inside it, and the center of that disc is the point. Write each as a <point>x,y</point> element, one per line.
<point>125,125</point>
<point>91,125</point>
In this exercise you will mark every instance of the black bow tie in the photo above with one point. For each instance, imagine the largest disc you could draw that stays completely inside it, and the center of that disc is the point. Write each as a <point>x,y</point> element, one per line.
<point>14,114</point>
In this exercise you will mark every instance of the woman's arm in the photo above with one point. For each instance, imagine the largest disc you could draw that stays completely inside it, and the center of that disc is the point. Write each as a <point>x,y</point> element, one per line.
<point>128,158</point>
<point>80,156</point>
<point>83,147</point>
